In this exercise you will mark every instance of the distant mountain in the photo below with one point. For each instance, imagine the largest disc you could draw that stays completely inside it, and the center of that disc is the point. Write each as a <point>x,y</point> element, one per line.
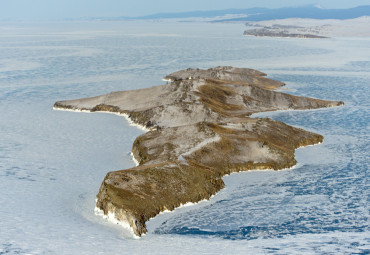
<point>260,14</point>
<point>310,12</point>
<point>204,14</point>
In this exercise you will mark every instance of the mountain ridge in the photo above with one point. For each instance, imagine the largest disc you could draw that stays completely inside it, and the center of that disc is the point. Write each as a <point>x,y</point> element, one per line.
<point>260,13</point>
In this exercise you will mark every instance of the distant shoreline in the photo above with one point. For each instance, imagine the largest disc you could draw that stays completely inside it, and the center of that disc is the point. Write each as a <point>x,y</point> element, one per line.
<point>310,28</point>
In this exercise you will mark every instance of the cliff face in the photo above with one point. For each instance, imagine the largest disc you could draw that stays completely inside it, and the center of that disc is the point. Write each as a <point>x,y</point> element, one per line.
<point>200,131</point>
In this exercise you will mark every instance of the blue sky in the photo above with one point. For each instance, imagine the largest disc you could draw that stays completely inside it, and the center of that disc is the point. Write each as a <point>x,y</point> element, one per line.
<point>61,9</point>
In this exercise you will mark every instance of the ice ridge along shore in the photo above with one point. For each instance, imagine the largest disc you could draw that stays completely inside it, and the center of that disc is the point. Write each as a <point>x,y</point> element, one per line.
<point>200,130</point>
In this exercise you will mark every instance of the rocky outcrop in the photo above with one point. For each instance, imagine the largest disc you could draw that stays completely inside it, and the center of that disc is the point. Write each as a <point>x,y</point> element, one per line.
<point>200,130</point>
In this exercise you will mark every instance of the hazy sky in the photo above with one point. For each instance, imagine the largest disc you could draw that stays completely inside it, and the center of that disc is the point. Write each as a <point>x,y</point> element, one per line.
<point>60,9</point>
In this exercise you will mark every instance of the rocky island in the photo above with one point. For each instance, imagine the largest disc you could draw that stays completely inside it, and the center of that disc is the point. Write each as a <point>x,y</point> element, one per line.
<point>200,129</point>
<point>309,28</point>
<point>268,32</point>
<point>277,30</point>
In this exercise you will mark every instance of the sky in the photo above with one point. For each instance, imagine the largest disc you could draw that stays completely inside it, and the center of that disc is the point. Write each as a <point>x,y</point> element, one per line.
<point>70,9</point>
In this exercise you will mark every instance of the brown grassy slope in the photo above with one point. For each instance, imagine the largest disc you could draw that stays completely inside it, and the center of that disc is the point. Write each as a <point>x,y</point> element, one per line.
<point>146,190</point>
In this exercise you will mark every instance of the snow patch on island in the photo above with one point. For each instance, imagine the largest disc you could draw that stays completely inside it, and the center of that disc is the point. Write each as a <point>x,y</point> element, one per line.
<point>199,146</point>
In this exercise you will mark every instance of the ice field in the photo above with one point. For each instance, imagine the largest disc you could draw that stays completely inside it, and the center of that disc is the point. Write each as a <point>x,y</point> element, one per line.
<point>53,162</point>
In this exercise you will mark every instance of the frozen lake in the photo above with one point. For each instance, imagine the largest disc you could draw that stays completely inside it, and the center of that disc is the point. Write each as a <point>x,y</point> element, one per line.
<point>52,162</point>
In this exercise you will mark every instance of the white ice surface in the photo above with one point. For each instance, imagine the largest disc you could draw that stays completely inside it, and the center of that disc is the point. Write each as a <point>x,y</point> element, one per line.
<point>52,163</point>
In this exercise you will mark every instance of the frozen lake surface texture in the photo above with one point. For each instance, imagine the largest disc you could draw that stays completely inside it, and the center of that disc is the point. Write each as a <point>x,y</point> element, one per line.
<point>53,162</point>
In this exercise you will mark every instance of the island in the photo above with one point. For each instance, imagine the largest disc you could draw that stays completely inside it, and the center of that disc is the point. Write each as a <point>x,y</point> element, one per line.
<point>199,129</point>
<point>277,31</point>
<point>309,28</point>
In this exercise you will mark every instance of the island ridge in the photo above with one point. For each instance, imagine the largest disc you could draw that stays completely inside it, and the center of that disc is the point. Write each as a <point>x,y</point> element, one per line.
<point>200,129</point>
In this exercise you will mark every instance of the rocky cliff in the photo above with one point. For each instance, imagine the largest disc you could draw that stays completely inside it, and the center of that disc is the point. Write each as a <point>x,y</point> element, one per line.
<point>200,130</point>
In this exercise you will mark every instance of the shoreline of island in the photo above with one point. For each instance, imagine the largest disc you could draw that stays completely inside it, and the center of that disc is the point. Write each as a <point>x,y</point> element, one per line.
<point>197,116</point>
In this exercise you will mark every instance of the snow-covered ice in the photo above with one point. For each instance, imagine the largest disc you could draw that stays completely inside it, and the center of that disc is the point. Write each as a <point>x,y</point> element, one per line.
<point>53,162</point>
